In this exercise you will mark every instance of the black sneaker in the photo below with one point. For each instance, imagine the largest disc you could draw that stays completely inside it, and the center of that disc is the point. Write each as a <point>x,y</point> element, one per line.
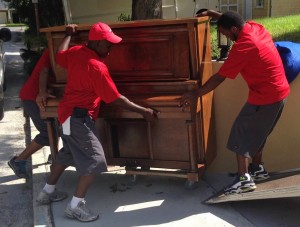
<point>258,172</point>
<point>19,167</point>
<point>241,184</point>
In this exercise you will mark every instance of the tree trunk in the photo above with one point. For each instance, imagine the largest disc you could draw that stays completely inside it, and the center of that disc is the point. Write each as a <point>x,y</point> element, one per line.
<point>146,9</point>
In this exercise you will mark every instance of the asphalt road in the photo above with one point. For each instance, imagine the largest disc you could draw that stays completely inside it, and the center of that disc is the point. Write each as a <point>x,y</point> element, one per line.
<point>15,194</point>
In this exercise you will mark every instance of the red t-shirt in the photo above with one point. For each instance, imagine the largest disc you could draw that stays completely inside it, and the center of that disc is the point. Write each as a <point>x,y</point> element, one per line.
<point>30,89</point>
<point>255,56</point>
<point>88,82</point>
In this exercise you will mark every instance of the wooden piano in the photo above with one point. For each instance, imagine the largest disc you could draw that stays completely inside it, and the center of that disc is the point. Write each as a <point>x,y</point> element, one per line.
<point>156,62</point>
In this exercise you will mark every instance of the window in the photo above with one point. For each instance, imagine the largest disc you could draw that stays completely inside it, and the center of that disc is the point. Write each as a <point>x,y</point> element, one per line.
<point>259,3</point>
<point>226,5</point>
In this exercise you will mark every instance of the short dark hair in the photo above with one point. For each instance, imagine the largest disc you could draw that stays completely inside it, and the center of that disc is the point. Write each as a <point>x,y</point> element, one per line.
<point>230,19</point>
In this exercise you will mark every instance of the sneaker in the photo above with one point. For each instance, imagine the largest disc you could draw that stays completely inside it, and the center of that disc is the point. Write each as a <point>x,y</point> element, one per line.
<point>258,173</point>
<point>45,198</point>
<point>81,212</point>
<point>19,167</point>
<point>241,184</point>
<point>49,161</point>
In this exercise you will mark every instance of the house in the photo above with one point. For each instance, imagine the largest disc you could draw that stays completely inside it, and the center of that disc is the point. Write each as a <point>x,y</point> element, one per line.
<point>96,10</point>
<point>5,13</point>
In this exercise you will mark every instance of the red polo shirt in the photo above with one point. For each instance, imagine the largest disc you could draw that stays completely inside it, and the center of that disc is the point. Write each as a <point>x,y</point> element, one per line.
<point>255,56</point>
<point>30,89</point>
<point>88,82</point>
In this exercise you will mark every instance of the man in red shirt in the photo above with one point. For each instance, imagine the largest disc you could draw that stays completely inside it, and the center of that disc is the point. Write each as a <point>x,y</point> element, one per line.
<point>88,83</point>
<point>256,58</point>
<point>34,90</point>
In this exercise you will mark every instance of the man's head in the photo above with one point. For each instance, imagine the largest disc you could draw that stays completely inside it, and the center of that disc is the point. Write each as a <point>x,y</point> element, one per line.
<point>230,24</point>
<point>101,38</point>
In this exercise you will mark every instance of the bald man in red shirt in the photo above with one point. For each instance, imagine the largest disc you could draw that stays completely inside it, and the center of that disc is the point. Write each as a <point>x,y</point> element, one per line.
<point>256,58</point>
<point>88,83</point>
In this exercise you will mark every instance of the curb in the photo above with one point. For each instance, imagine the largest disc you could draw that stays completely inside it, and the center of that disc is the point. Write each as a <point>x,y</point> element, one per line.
<point>42,214</point>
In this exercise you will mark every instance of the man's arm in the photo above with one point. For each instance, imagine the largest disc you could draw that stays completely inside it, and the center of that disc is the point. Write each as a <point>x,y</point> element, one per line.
<point>211,13</point>
<point>148,114</point>
<point>192,96</point>
<point>71,29</point>
<point>43,95</point>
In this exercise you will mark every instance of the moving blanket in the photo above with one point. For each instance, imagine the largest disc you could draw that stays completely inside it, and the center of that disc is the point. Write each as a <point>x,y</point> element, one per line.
<point>290,55</point>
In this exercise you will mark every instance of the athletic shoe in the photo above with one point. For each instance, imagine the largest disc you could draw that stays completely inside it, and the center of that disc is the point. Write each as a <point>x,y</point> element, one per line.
<point>258,173</point>
<point>81,212</point>
<point>45,198</point>
<point>241,184</point>
<point>19,167</point>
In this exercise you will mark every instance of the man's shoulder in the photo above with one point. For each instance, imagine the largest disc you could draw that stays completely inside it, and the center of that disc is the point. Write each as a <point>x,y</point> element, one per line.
<point>96,64</point>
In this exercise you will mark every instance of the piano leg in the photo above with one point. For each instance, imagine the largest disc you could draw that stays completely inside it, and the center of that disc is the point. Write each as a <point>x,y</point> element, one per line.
<point>53,138</point>
<point>193,174</point>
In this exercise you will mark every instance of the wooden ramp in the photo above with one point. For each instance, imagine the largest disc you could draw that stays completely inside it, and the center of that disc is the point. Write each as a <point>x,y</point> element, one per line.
<point>280,185</point>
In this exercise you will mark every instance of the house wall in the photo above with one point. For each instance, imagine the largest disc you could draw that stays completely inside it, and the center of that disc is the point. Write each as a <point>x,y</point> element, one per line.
<point>282,148</point>
<point>106,11</point>
<point>261,12</point>
<point>95,10</point>
<point>287,7</point>
<point>3,17</point>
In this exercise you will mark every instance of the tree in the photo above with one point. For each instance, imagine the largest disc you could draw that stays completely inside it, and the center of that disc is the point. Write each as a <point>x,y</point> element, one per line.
<point>50,13</point>
<point>146,9</point>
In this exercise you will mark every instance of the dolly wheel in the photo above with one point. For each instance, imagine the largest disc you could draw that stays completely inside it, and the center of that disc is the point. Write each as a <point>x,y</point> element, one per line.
<point>190,184</point>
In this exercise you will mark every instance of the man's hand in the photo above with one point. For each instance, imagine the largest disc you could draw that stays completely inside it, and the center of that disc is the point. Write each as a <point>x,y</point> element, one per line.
<point>150,114</point>
<point>41,100</point>
<point>211,13</point>
<point>202,13</point>
<point>188,99</point>
<point>71,29</point>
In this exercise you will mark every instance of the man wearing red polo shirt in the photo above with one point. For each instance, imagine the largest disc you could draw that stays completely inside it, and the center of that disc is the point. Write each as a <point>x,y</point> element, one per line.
<point>256,58</point>
<point>88,83</point>
<point>34,90</point>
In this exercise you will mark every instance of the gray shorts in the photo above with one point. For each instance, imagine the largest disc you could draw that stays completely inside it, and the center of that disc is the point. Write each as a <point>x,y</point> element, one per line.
<point>32,110</point>
<point>252,127</point>
<point>82,148</point>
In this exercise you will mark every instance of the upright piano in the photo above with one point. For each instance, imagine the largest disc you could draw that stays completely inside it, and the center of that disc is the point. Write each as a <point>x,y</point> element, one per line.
<point>156,62</point>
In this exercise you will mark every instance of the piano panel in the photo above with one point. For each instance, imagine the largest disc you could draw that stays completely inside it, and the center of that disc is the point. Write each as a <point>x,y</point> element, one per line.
<point>146,54</point>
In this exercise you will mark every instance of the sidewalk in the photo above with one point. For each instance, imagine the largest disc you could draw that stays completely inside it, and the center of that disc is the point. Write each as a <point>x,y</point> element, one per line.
<point>157,201</point>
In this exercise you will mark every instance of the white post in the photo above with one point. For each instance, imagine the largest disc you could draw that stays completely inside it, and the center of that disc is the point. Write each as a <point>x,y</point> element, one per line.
<point>67,10</point>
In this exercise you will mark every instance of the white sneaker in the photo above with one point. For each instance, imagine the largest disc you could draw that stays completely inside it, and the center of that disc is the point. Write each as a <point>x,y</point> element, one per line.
<point>81,212</point>
<point>45,198</point>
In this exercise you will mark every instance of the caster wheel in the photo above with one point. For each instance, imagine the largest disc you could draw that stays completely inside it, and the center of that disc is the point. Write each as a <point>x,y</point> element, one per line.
<point>133,180</point>
<point>190,185</point>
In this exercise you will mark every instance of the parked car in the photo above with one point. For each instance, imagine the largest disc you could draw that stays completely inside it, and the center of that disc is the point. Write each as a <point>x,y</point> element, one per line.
<point>5,35</point>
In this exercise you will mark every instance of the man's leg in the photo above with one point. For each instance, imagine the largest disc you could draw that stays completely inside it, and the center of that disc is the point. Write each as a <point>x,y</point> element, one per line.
<point>83,185</point>
<point>242,162</point>
<point>56,172</point>
<point>257,159</point>
<point>29,150</point>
